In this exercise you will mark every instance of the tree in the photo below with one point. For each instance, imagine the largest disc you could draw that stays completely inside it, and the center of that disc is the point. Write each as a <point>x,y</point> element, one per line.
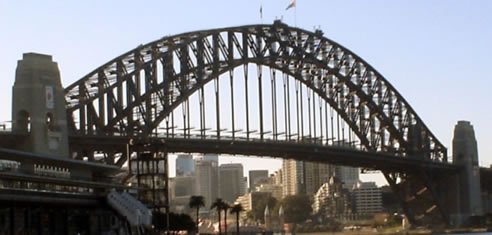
<point>258,210</point>
<point>236,209</point>
<point>393,220</point>
<point>177,222</point>
<point>197,202</point>
<point>225,207</point>
<point>218,205</point>
<point>297,208</point>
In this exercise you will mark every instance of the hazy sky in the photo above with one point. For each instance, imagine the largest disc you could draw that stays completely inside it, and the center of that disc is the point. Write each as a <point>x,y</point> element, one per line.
<point>437,54</point>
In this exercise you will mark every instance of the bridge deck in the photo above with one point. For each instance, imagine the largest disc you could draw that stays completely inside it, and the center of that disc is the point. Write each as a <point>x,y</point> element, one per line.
<point>277,149</point>
<point>304,151</point>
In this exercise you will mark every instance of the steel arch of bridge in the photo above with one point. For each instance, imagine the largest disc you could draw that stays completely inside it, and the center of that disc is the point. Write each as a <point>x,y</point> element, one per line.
<point>108,101</point>
<point>128,97</point>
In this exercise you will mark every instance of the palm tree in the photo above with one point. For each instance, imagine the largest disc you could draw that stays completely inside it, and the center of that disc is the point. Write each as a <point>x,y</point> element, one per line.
<point>236,209</point>
<point>218,205</point>
<point>197,202</point>
<point>225,207</point>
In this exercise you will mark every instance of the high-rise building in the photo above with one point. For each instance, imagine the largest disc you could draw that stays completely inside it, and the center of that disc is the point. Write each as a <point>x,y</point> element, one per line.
<point>367,198</point>
<point>348,175</point>
<point>274,189</point>
<point>316,174</point>
<point>206,180</point>
<point>257,177</point>
<point>292,177</point>
<point>171,188</point>
<point>181,188</point>
<point>277,177</point>
<point>245,185</point>
<point>211,157</point>
<point>304,177</point>
<point>231,181</point>
<point>184,186</point>
<point>185,165</point>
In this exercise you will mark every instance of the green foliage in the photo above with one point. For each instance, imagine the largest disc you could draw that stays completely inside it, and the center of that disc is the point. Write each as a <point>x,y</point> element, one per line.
<point>488,220</point>
<point>377,224</point>
<point>218,204</point>
<point>225,206</point>
<point>250,215</point>
<point>258,211</point>
<point>237,208</point>
<point>177,222</point>
<point>297,208</point>
<point>311,227</point>
<point>393,220</point>
<point>196,202</point>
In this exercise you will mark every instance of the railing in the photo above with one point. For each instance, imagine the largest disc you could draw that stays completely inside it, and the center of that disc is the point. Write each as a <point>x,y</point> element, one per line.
<point>305,139</point>
<point>133,210</point>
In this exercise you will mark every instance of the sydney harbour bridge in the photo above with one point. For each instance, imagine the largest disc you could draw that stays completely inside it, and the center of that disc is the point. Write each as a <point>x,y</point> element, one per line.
<point>257,90</point>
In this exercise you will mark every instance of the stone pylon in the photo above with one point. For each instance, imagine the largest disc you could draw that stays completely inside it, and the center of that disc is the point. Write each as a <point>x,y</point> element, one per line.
<point>38,106</point>
<point>465,154</point>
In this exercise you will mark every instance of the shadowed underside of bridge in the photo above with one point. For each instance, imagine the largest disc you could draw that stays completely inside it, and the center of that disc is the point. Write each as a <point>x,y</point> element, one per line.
<point>264,90</point>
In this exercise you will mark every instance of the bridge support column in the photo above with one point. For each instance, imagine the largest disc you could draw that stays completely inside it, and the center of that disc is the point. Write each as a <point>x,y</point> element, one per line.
<point>149,164</point>
<point>38,106</point>
<point>425,195</point>
<point>422,200</point>
<point>465,154</point>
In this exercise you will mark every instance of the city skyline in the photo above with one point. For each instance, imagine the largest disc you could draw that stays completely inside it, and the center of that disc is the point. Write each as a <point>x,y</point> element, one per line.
<point>269,164</point>
<point>423,49</point>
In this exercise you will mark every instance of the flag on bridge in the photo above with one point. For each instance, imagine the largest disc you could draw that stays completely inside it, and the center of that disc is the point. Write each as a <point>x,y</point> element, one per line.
<point>261,11</point>
<point>291,5</point>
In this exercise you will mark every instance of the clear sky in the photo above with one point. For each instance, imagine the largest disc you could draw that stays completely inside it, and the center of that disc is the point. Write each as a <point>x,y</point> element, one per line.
<point>437,54</point>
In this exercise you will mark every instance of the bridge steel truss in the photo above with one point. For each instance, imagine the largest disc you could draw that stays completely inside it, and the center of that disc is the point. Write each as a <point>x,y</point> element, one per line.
<point>132,95</point>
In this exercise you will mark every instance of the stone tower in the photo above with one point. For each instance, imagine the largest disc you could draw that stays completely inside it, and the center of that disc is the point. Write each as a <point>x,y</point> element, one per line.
<point>38,106</point>
<point>465,154</point>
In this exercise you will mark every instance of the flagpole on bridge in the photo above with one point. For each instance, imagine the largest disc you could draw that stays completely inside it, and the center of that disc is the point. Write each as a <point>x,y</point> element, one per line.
<point>295,14</point>
<point>293,4</point>
<point>261,13</point>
